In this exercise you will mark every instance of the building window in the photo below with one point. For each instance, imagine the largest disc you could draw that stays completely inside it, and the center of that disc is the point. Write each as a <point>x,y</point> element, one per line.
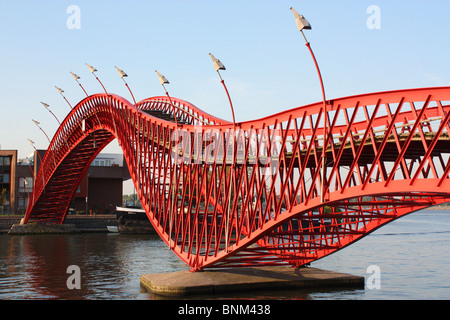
<point>20,203</point>
<point>102,163</point>
<point>5,161</point>
<point>4,178</point>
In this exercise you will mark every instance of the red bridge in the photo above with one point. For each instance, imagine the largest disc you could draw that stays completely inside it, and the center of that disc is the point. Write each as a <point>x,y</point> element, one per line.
<point>281,190</point>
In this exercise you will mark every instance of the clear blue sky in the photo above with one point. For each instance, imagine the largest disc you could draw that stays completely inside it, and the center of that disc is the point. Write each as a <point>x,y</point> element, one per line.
<point>268,66</point>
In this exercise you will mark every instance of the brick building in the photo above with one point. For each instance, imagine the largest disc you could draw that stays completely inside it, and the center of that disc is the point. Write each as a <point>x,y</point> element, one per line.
<point>8,159</point>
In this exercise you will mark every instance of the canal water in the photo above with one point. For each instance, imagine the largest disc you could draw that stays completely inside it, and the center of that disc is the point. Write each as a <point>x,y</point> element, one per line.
<point>407,259</point>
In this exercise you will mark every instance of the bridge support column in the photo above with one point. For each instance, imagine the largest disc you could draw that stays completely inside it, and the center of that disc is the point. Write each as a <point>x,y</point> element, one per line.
<point>241,280</point>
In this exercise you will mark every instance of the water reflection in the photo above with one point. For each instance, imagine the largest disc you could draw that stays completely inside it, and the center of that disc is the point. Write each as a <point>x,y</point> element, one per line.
<point>412,253</point>
<point>291,294</point>
<point>35,266</point>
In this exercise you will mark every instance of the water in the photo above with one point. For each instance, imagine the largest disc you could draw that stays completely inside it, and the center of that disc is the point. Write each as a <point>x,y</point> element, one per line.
<point>412,254</point>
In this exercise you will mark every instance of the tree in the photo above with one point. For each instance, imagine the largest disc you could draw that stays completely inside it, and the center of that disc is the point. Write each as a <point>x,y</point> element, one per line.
<point>2,197</point>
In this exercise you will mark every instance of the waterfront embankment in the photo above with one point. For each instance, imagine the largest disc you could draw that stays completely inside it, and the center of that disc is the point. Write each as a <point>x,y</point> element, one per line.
<point>76,223</point>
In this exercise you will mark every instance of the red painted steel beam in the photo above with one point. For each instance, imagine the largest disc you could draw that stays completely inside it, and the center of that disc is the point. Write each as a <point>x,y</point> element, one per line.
<point>221,195</point>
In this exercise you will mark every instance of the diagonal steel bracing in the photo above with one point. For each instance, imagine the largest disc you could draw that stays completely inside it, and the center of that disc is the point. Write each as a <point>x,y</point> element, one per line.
<point>251,195</point>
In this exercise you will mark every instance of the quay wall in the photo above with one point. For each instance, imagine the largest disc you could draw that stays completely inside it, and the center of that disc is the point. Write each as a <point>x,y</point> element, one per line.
<point>75,223</point>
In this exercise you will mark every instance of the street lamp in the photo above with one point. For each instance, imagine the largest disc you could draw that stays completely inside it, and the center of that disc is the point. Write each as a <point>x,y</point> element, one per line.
<point>76,77</point>
<point>37,124</point>
<point>92,69</point>
<point>46,106</point>
<point>122,75</point>
<point>32,144</point>
<point>163,81</point>
<point>219,66</point>
<point>26,183</point>
<point>303,24</point>
<point>61,93</point>
<point>34,171</point>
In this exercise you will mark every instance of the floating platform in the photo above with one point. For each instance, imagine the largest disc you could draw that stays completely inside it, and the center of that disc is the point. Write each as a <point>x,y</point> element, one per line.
<point>183,283</point>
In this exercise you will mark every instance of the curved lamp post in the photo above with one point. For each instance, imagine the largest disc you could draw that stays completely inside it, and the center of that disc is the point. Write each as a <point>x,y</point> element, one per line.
<point>218,65</point>
<point>61,93</point>
<point>303,24</point>
<point>46,106</point>
<point>122,75</point>
<point>163,81</point>
<point>37,124</point>
<point>76,77</point>
<point>32,144</point>
<point>92,69</point>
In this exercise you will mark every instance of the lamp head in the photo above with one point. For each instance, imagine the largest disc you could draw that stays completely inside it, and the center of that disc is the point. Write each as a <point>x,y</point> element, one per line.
<point>217,64</point>
<point>59,89</point>
<point>31,141</point>
<point>121,73</point>
<point>162,79</point>
<point>300,20</point>
<point>35,122</point>
<point>91,68</point>
<point>45,105</point>
<point>75,76</point>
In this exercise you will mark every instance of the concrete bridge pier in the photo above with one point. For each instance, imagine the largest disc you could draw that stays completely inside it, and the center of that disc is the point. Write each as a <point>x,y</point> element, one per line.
<point>183,283</point>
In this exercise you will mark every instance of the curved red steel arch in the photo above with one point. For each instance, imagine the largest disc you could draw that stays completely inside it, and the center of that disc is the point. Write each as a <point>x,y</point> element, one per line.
<point>274,191</point>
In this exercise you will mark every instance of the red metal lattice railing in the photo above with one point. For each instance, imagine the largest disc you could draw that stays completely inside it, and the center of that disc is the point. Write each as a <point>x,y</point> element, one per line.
<point>271,191</point>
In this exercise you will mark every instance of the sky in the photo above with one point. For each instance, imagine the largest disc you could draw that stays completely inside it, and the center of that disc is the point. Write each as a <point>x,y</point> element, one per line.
<point>361,47</point>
